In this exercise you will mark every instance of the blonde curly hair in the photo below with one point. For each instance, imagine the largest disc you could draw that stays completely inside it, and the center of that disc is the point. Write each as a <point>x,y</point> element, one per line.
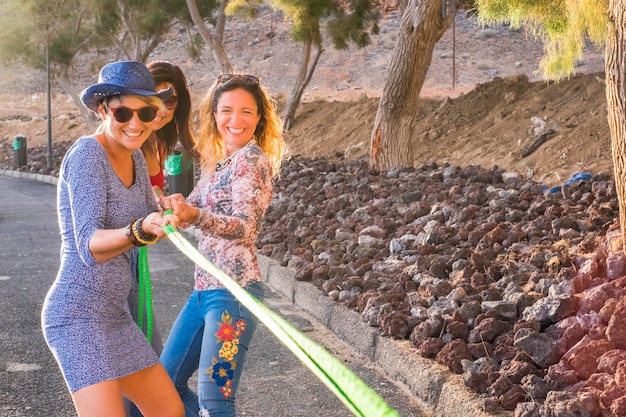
<point>268,133</point>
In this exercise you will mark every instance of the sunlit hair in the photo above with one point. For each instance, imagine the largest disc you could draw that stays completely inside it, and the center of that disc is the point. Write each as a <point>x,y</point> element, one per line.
<point>269,132</point>
<point>180,128</point>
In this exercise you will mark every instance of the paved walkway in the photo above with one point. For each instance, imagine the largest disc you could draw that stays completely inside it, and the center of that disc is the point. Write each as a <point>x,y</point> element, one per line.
<point>274,381</point>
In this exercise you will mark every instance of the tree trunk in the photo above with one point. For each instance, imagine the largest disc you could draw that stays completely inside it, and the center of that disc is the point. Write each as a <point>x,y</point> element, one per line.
<point>87,115</point>
<point>422,24</point>
<point>214,42</point>
<point>305,72</point>
<point>615,70</point>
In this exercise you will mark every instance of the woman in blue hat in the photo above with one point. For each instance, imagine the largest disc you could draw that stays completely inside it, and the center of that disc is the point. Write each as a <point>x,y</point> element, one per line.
<point>106,211</point>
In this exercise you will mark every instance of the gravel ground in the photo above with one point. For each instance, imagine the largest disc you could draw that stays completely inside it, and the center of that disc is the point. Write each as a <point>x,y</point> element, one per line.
<point>517,287</point>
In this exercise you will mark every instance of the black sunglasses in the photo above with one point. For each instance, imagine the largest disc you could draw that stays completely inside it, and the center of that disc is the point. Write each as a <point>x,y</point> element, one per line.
<point>171,102</point>
<point>124,114</point>
<point>224,78</point>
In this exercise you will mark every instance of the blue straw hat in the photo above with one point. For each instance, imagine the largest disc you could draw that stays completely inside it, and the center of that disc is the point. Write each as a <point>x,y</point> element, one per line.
<point>128,78</point>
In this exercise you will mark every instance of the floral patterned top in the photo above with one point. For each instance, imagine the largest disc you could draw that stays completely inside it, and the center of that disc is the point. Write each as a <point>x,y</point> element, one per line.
<point>232,203</point>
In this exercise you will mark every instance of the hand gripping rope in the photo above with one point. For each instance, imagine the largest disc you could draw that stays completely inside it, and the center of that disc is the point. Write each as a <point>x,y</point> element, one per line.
<point>357,396</point>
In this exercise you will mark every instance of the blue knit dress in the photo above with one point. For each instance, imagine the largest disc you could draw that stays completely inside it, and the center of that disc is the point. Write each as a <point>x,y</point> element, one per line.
<point>85,318</point>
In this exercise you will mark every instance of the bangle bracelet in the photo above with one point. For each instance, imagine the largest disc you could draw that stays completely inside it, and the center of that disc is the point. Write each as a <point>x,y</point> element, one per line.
<point>142,235</point>
<point>131,236</point>
<point>138,234</point>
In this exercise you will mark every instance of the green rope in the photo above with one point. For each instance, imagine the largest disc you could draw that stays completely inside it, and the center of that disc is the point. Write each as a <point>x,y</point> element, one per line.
<point>357,396</point>
<point>145,293</point>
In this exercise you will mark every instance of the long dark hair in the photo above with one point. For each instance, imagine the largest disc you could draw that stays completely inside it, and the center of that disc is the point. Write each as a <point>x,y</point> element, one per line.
<point>180,128</point>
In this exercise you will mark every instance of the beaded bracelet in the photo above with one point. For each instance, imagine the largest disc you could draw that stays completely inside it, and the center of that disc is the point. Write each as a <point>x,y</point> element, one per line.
<point>142,234</point>
<point>203,219</point>
<point>139,235</point>
<point>131,236</point>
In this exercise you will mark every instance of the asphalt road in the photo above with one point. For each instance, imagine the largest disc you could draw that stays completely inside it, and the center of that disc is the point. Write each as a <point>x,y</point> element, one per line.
<point>274,383</point>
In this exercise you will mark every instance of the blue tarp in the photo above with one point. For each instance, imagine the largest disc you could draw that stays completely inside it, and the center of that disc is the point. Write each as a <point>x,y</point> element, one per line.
<point>577,177</point>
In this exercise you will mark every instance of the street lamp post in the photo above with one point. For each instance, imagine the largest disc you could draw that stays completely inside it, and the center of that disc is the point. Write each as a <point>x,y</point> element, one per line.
<point>49,109</point>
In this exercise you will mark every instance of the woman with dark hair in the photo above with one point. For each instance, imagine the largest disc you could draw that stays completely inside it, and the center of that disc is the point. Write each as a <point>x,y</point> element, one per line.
<point>172,126</point>
<point>241,147</point>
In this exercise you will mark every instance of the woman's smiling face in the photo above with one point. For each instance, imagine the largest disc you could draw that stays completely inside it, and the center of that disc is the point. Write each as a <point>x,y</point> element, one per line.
<point>132,133</point>
<point>236,116</point>
<point>164,117</point>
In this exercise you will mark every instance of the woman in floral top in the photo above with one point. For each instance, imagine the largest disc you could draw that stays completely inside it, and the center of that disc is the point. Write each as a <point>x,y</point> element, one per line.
<point>241,148</point>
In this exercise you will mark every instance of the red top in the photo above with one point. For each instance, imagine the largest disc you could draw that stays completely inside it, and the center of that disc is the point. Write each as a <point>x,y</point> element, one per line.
<point>158,180</point>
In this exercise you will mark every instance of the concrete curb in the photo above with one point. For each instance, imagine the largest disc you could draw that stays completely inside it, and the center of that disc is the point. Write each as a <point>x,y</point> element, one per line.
<point>29,175</point>
<point>442,393</point>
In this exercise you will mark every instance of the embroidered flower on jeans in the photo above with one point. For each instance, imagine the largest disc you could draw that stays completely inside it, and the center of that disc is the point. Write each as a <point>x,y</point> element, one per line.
<point>226,331</point>
<point>227,389</point>
<point>228,335</point>
<point>229,350</point>
<point>221,372</point>
<point>241,327</point>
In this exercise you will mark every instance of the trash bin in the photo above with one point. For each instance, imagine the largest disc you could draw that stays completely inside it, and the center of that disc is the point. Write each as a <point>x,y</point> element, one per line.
<point>19,148</point>
<point>189,162</point>
<point>180,173</point>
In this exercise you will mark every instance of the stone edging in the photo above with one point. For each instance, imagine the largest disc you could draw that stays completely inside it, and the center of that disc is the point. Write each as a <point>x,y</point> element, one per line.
<point>29,175</point>
<point>441,392</point>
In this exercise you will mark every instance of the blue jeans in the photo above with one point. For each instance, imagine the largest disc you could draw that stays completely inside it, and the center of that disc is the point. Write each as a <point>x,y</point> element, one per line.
<point>211,334</point>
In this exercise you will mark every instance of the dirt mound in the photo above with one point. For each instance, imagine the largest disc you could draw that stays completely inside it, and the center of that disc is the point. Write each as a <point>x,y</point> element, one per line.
<point>492,125</point>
